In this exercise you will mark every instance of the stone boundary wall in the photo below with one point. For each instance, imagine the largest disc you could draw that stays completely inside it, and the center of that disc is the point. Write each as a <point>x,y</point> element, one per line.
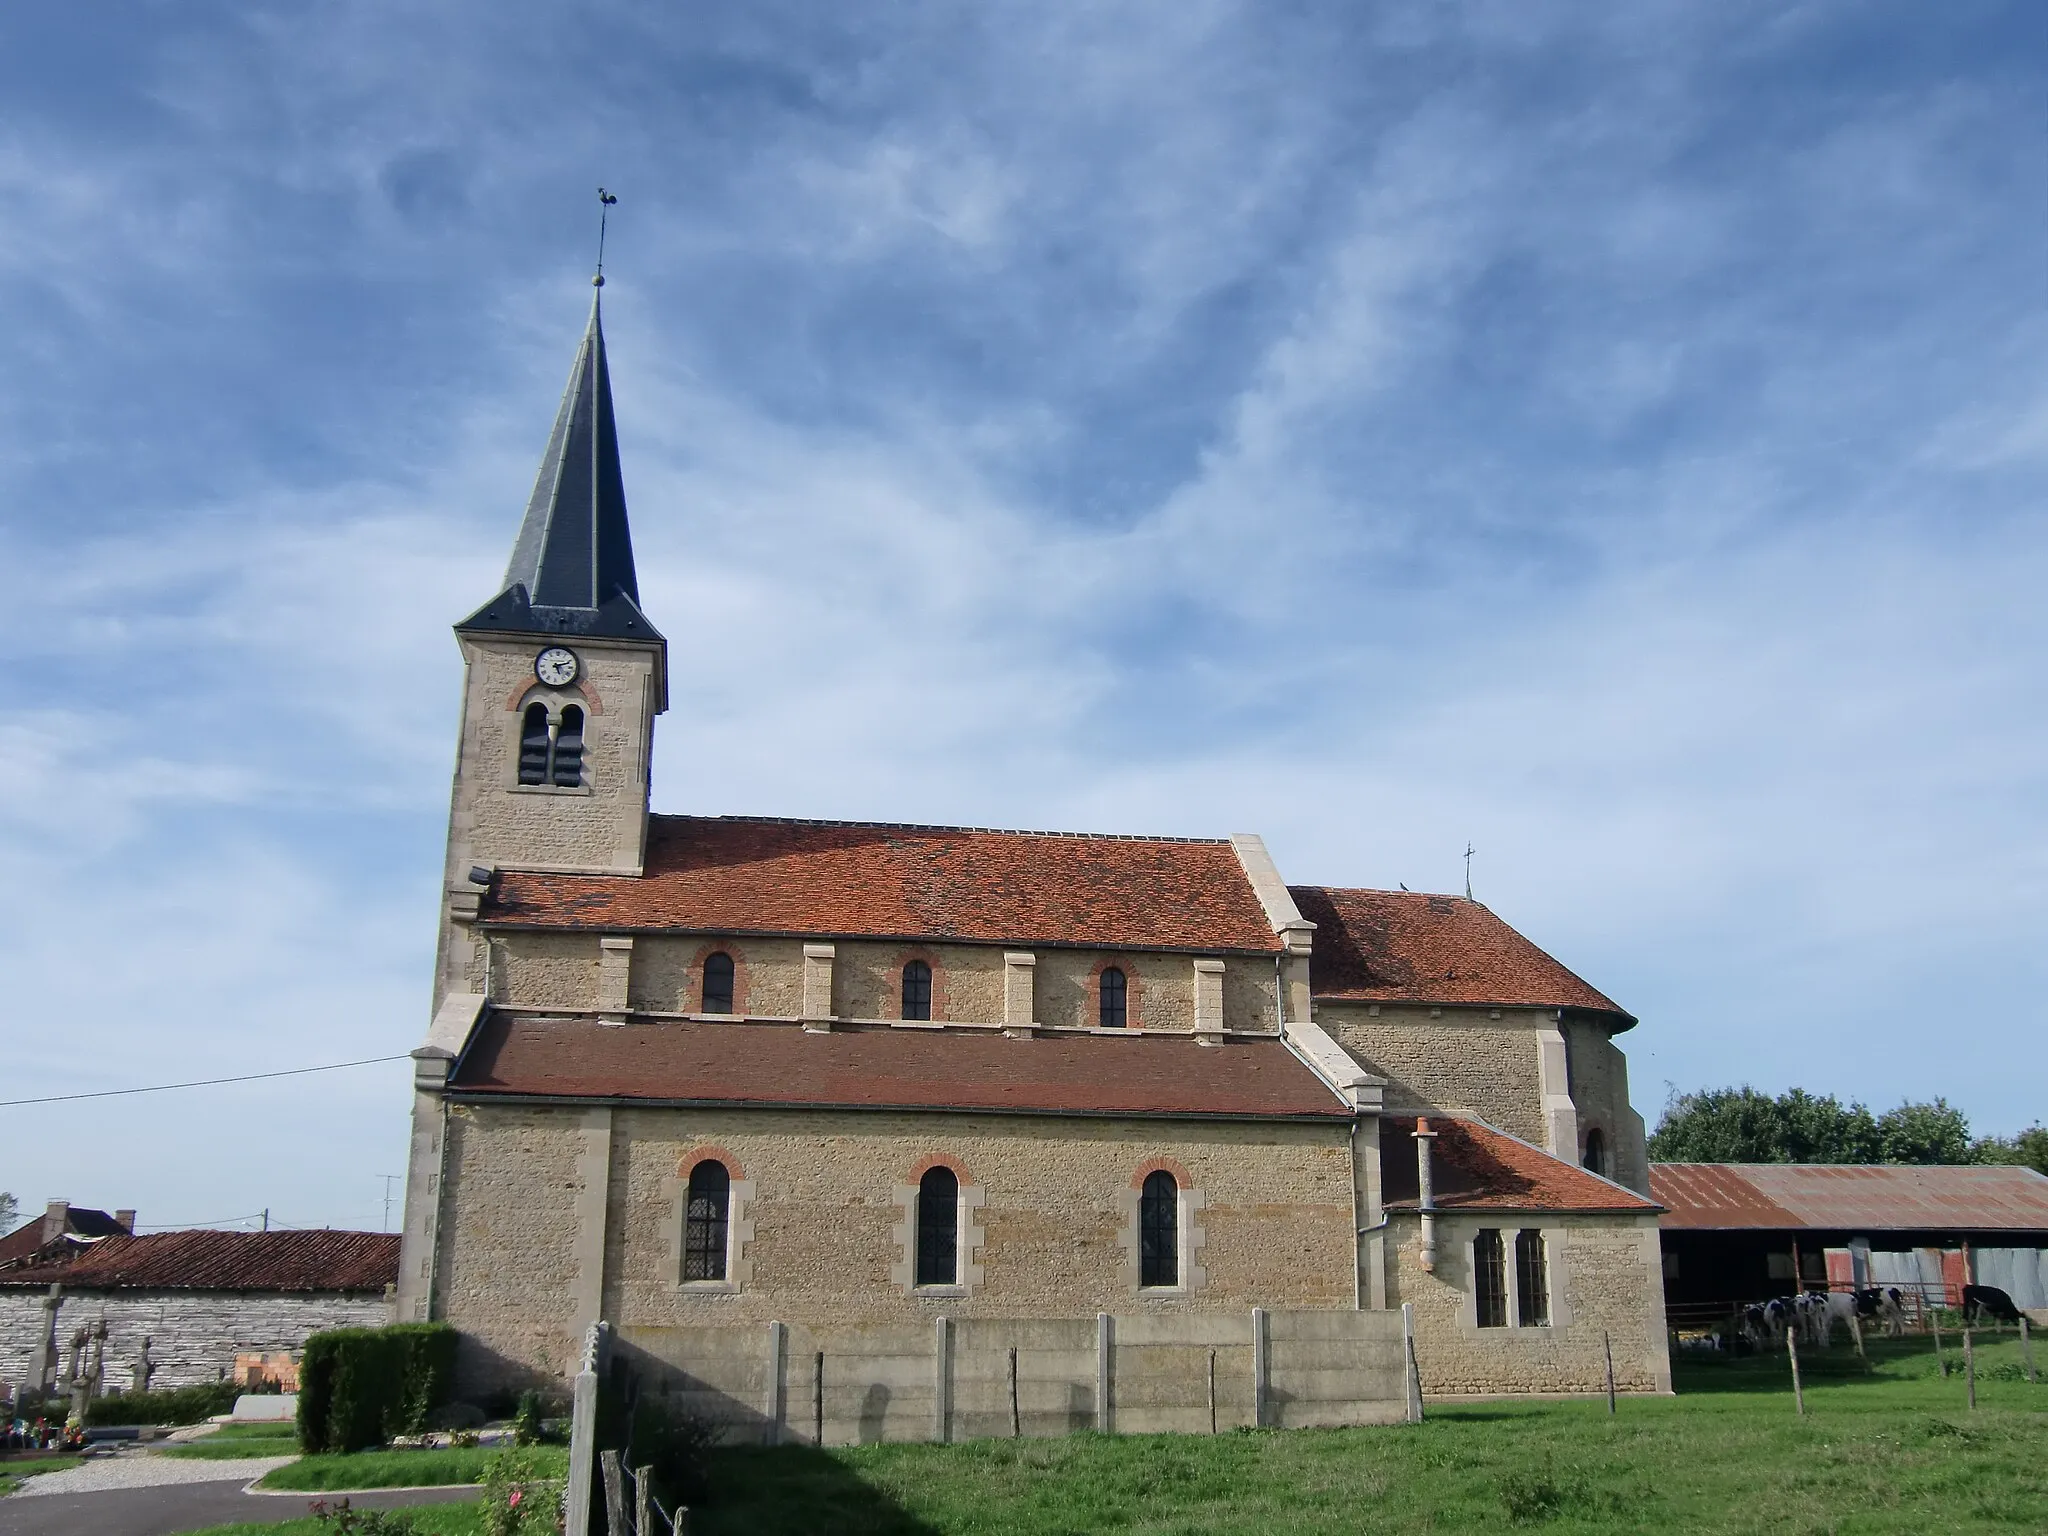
<point>951,1379</point>
<point>193,1336</point>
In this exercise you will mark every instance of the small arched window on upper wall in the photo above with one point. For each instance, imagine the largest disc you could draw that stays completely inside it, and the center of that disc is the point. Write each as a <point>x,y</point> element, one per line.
<point>718,983</point>
<point>938,1225</point>
<point>551,752</point>
<point>1111,1009</point>
<point>1595,1159</point>
<point>917,990</point>
<point>705,1221</point>
<point>1159,1230</point>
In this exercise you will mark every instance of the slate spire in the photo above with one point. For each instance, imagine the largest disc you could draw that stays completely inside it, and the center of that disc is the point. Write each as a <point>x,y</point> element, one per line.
<point>572,565</point>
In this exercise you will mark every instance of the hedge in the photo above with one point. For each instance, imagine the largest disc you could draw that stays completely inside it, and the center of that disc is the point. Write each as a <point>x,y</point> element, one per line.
<point>360,1386</point>
<point>182,1405</point>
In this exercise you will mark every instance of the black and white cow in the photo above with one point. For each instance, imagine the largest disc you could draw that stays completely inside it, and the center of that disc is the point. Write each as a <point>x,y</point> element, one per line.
<point>1883,1304</point>
<point>1982,1301</point>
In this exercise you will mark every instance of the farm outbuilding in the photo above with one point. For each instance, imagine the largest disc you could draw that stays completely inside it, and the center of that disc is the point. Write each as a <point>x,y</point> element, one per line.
<point>1743,1232</point>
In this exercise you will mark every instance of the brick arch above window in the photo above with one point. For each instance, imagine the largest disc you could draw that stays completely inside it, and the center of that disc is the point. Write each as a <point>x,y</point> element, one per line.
<point>693,996</point>
<point>1134,992</point>
<point>892,994</point>
<point>530,691</point>
<point>931,1160</point>
<point>710,1152</point>
<point>1178,1169</point>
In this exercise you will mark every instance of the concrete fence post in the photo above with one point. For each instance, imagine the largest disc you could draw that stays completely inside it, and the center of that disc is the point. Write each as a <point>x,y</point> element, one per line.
<point>583,1434</point>
<point>942,1380</point>
<point>1262,1367</point>
<point>777,1405</point>
<point>1105,1345</point>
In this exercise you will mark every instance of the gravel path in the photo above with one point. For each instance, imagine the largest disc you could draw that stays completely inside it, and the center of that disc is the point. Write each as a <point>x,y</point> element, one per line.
<point>146,1471</point>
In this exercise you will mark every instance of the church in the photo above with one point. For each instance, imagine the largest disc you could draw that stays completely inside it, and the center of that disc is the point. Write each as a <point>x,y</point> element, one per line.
<point>738,1084</point>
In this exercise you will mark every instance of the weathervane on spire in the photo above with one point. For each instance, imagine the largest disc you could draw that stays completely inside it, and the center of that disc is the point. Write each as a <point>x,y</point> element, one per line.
<point>604,208</point>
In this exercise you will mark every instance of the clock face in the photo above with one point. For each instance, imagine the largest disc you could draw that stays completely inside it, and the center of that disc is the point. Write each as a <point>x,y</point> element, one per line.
<point>555,666</point>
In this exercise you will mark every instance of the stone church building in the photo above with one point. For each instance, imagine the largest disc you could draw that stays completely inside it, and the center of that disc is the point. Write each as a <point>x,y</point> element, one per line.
<point>723,1077</point>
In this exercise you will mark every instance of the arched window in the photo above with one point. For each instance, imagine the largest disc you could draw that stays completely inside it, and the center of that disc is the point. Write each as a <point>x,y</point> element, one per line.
<point>917,991</point>
<point>567,770</point>
<point>718,983</point>
<point>1159,1230</point>
<point>1490,1278</point>
<point>551,752</point>
<point>704,1225</point>
<point>1596,1153</point>
<point>1532,1279</point>
<point>1110,1010</point>
<point>938,1226</point>
<point>534,745</point>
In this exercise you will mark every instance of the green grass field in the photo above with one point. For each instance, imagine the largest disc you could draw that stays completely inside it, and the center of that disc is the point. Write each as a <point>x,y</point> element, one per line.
<point>1887,1447</point>
<point>14,1473</point>
<point>231,1442</point>
<point>404,1469</point>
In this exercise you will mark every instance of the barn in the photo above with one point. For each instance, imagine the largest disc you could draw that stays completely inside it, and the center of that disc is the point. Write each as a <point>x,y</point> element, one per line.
<point>1742,1232</point>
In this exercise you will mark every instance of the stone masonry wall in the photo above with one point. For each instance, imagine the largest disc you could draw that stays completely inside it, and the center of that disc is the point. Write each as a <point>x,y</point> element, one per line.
<point>1269,1221</point>
<point>560,970</point>
<point>1605,1277</point>
<point>1461,1059</point>
<point>194,1335</point>
<point>1599,1087</point>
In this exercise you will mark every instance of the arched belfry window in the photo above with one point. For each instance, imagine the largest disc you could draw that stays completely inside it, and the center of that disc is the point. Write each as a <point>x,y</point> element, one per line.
<point>917,990</point>
<point>705,1223</point>
<point>1112,1005</point>
<point>718,983</point>
<point>1159,1230</point>
<point>938,1226</point>
<point>551,751</point>
<point>1596,1152</point>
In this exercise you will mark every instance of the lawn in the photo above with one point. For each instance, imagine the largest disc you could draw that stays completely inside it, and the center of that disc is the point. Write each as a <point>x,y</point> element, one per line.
<point>14,1473</point>
<point>1890,1447</point>
<point>405,1469</point>
<point>232,1442</point>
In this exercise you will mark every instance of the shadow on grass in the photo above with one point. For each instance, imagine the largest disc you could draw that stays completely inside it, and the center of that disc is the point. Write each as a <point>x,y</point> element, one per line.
<point>1771,1371</point>
<point>797,1491</point>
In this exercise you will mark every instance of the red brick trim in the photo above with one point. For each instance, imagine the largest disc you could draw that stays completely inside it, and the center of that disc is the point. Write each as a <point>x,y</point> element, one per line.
<point>1134,993</point>
<point>522,695</point>
<point>1181,1176</point>
<point>694,985</point>
<point>892,999</point>
<point>710,1152</point>
<point>941,1160</point>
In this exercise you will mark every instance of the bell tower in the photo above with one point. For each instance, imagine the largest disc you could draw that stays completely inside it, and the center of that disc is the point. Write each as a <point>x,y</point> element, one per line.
<point>562,678</point>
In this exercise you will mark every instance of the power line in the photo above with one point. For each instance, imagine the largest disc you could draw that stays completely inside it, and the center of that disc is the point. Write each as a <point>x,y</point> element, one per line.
<point>204,1082</point>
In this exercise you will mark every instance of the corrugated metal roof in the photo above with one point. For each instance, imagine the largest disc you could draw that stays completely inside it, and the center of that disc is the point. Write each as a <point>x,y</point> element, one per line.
<point>1860,1197</point>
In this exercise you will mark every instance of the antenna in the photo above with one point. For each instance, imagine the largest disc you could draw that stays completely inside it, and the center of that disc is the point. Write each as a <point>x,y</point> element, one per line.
<point>605,200</point>
<point>1469,850</point>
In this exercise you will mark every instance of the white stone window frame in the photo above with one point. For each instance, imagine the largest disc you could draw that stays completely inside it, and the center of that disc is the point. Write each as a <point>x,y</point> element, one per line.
<point>1509,1227</point>
<point>1188,1230</point>
<point>556,700</point>
<point>739,1232</point>
<point>970,1239</point>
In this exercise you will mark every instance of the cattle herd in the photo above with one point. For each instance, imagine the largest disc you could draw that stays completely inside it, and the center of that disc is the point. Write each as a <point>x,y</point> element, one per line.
<point>1815,1314</point>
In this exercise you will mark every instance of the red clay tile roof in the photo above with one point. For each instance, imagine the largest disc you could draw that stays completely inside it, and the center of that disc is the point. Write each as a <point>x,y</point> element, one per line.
<point>879,1067</point>
<point>1838,1197</point>
<point>1474,1167</point>
<point>226,1261</point>
<point>1408,947</point>
<point>838,879</point>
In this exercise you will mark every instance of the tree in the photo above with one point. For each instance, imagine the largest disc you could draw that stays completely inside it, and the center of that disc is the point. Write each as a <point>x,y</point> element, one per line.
<point>1741,1125</point>
<point>9,1211</point>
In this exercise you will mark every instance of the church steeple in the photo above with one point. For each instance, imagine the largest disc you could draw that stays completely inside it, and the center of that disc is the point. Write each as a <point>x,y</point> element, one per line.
<point>572,565</point>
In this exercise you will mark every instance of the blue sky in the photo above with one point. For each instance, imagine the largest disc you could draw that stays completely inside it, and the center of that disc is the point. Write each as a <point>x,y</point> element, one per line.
<point>1614,435</point>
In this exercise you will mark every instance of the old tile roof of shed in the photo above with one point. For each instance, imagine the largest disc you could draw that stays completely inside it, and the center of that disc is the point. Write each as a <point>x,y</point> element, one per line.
<point>1410,947</point>
<point>1839,1197</point>
<point>731,874</point>
<point>80,1221</point>
<point>226,1261</point>
<point>885,1067</point>
<point>1474,1167</point>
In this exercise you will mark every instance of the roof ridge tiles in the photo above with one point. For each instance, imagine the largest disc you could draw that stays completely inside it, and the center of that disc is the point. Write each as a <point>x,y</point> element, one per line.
<point>933,826</point>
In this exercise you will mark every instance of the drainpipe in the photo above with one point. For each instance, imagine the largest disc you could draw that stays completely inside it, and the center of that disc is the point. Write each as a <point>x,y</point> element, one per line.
<point>1425,1194</point>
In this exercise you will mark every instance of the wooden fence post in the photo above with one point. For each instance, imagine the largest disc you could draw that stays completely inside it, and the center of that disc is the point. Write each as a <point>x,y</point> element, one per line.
<point>643,1504</point>
<point>818,1399</point>
<point>1212,1389</point>
<point>2026,1349</point>
<point>1940,1361</point>
<point>1970,1367</point>
<point>1607,1344</point>
<point>614,1494</point>
<point>1410,1370</point>
<point>1792,1350</point>
<point>1016,1419</point>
